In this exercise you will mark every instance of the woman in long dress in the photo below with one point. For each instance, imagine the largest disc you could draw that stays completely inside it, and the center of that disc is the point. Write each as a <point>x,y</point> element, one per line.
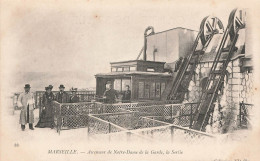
<point>46,118</point>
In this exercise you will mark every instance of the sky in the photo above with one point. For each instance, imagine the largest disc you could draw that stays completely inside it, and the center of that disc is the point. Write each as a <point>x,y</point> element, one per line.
<point>85,36</point>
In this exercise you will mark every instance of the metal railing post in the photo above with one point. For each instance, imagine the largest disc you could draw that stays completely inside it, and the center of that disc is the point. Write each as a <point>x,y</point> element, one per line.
<point>240,114</point>
<point>171,111</point>
<point>191,112</point>
<point>128,136</point>
<point>109,131</point>
<point>109,127</point>
<point>172,133</point>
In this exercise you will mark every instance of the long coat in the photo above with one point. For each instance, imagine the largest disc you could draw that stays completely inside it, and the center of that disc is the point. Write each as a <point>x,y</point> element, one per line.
<point>127,96</point>
<point>46,118</point>
<point>74,99</point>
<point>111,96</point>
<point>62,97</point>
<point>27,104</point>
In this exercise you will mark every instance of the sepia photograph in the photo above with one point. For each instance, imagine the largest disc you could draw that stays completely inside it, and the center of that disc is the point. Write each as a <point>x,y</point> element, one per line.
<point>129,80</point>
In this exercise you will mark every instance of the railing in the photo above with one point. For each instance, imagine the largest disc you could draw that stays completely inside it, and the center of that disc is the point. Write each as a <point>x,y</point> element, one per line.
<point>165,133</point>
<point>127,125</point>
<point>126,115</point>
<point>99,126</point>
<point>84,96</point>
<point>178,114</point>
<point>244,114</point>
<point>173,133</point>
<point>75,115</point>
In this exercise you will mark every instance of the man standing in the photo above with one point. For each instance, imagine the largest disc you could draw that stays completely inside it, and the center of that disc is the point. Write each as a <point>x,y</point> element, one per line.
<point>62,96</point>
<point>110,94</point>
<point>27,104</point>
<point>74,98</point>
<point>127,95</point>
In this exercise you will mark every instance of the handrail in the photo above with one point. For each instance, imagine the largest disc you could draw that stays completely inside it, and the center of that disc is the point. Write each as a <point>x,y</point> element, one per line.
<point>107,122</point>
<point>118,113</point>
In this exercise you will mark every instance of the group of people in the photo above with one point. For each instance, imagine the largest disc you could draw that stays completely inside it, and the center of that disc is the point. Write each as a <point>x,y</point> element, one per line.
<point>27,104</point>
<point>110,95</point>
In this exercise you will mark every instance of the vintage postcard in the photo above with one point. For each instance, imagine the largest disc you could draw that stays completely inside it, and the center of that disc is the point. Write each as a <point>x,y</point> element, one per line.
<point>129,80</point>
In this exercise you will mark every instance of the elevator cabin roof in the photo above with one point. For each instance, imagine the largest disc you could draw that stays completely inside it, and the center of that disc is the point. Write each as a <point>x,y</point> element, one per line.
<point>136,67</point>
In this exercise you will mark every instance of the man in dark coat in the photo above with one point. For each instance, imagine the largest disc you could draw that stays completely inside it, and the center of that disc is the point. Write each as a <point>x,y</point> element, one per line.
<point>62,96</point>
<point>110,94</point>
<point>127,95</point>
<point>74,98</point>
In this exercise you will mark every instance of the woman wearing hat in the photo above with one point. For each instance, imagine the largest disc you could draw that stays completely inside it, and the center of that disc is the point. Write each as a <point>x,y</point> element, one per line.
<point>46,118</point>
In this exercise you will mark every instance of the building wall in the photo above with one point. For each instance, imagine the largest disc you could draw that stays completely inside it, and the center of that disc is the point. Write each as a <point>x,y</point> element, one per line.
<point>170,45</point>
<point>238,87</point>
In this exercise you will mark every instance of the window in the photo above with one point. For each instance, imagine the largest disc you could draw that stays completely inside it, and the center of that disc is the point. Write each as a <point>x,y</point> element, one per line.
<point>157,90</point>
<point>162,87</point>
<point>120,84</point>
<point>132,68</point>
<point>119,69</point>
<point>141,90</point>
<point>117,84</point>
<point>152,90</point>
<point>124,83</point>
<point>150,70</point>
<point>126,69</point>
<point>147,90</point>
<point>113,69</point>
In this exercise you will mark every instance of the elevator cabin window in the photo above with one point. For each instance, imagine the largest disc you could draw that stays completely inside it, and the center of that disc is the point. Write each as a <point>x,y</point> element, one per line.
<point>120,84</point>
<point>150,90</point>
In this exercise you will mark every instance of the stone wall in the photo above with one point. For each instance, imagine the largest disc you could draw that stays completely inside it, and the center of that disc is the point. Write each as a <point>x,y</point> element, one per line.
<point>238,87</point>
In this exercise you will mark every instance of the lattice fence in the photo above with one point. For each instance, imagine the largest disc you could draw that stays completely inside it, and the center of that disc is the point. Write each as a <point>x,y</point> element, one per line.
<point>178,114</point>
<point>127,125</point>
<point>99,126</point>
<point>171,133</point>
<point>84,96</point>
<point>128,116</point>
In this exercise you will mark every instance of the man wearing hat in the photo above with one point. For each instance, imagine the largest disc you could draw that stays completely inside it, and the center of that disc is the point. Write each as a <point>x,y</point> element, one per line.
<point>74,98</point>
<point>110,94</point>
<point>50,87</point>
<point>27,104</point>
<point>62,96</point>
